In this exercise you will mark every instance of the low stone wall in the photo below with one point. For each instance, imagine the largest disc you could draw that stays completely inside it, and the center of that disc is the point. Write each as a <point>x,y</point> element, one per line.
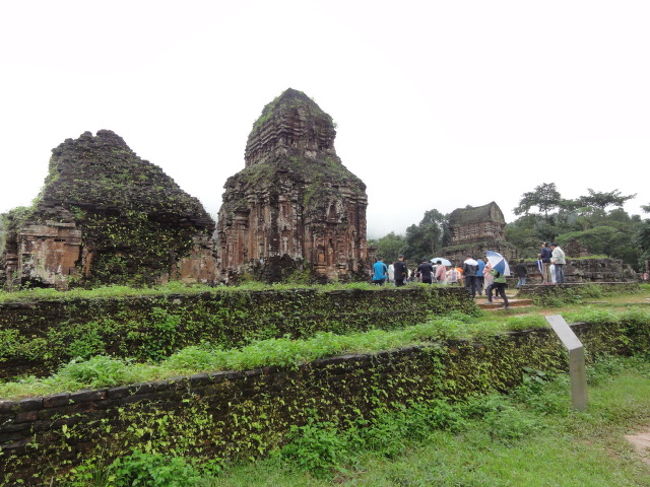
<point>586,270</point>
<point>242,414</point>
<point>575,291</point>
<point>37,337</point>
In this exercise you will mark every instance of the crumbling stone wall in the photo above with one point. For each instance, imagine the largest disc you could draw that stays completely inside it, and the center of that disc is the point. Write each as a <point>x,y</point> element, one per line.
<point>236,414</point>
<point>105,215</point>
<point>474,224</point>
<point>587,270</point>
<point>475,230</point>
<point>130,326</point>
<point>295,205</point>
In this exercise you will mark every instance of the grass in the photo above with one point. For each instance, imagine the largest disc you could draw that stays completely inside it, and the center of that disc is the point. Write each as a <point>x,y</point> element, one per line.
<point>173,287</point>
<point>102,371</point>
<point>530,438</point>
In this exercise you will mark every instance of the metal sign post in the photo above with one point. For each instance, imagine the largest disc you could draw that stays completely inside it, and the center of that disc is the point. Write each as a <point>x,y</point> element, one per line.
<point>577,371</point>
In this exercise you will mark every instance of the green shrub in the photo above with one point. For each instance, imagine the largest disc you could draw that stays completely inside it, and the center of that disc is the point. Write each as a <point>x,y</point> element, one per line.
<point>99,371</point>
<point>151,470</point>
<point>315,447</point>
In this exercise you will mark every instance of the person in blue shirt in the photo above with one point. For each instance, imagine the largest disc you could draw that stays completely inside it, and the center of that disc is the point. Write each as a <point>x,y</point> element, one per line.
<point>480,279</point>
<point>380,272</point>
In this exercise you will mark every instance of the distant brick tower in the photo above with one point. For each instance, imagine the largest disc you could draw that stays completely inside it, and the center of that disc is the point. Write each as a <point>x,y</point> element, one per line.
<point>475,230</point>
<point>294,206</point>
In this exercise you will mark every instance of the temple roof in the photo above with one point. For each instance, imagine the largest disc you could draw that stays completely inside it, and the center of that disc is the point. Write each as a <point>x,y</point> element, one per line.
<point>476,214</point>
<point>292,124</point>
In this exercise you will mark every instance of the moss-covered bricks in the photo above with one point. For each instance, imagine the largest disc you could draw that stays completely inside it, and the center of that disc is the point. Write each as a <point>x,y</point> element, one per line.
<point>36,337</point>
<point>294,206</point>
<point>243,414</point>
<point>105,215</point>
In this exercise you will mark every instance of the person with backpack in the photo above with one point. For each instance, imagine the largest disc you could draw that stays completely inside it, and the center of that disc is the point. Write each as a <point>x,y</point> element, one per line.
<point>499,285</point>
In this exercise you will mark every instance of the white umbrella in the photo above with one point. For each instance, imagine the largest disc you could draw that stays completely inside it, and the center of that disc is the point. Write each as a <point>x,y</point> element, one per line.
<point>498,262</point>
<point>442,260</point>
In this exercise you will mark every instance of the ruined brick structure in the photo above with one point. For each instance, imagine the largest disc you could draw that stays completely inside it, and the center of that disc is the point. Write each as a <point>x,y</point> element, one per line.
<point>294,206</point>
<point>474,224</point>
<point>106,216</point>
<point>475,230</point>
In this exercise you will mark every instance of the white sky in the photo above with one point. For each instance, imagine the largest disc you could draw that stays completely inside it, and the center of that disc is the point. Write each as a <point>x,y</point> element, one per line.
<point>439,104</point>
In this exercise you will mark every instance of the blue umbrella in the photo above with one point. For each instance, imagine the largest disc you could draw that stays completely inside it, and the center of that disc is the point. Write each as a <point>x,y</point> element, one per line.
<point>498,262</point>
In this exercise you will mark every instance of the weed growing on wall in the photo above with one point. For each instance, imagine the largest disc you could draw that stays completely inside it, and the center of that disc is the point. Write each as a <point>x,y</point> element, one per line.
<point>39,338</point>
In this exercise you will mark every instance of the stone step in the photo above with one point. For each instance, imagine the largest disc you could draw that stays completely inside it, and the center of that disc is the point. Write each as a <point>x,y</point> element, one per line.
<point>498,304</point>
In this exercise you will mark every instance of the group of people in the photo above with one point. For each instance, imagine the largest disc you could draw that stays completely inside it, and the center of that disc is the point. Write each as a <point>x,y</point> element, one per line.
<point>551,263</point>
<point>426,272</point>
<point>480,277</point>
<point>475,274</point>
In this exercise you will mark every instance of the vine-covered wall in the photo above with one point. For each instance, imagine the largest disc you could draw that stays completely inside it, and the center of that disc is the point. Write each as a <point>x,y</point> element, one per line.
<point>574,292</point>
<point>37,337</point>
<point>242,414</point>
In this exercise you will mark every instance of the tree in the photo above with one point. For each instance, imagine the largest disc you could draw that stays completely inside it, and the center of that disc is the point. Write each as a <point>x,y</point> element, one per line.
<point>425,239</point>
<point>390,246</point>
<point>599,200</point>
<point>642,240</point>
<point>584,221</point>
<point>545,197</point>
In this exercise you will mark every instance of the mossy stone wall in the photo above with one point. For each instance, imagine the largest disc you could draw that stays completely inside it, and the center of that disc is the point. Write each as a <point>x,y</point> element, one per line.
<point>234,415</point>
<point>37,337</point>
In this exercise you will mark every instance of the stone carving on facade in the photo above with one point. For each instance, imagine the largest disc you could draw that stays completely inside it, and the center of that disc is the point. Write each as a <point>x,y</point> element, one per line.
<point>106,216</point>
<point>294,205</point>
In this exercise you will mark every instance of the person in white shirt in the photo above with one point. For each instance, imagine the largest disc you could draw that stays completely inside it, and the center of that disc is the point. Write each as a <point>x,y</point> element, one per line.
<point>558,259</point>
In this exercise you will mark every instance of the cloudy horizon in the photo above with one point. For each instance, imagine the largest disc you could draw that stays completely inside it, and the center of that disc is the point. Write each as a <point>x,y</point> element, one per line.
<point>437,105</point>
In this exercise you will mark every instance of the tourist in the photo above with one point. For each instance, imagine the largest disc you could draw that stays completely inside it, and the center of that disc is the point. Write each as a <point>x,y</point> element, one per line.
<point>480,278</point>
<point>391,273</point>
<point>461,278</point>
<point>469,271</point>
<point>499,285</point>
<point>441,273</point>
<point>545,257</point>
<point>453,276</point>
<point>379,272</point>
<point>522,273</point>
<point>540,268</point>
<point>400,271</point>
<point>559,260</point>
<point>489,281</point>
<point>551,271</point>
<point>425,269</point>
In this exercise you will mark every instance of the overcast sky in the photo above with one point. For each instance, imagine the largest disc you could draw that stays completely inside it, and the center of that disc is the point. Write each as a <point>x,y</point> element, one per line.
<point>438,104</point>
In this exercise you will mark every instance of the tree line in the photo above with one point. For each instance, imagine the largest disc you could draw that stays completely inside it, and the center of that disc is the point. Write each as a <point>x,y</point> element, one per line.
<point>594,224</point>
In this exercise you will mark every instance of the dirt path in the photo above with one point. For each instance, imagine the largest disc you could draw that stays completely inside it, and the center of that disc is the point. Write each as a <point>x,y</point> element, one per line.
<point>641,443</point>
